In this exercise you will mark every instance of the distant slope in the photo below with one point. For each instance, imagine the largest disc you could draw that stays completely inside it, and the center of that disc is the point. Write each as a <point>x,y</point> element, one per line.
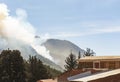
<point>49,63</point>
<point>27,50</point>
<point>60,49</point>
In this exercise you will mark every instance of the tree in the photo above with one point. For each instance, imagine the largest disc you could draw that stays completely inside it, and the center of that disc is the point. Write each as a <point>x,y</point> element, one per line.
<point>89,52</point>
<point>71,62</point>
<point>1,69</point>
<point>37,69</point>
<point>53,72</point>
<point>18,66</point>
<point>12,66</point>
<point>79,55</point>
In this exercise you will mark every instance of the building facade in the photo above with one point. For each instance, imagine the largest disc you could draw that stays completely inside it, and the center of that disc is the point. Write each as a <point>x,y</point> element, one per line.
<point>100,62</point>
<point>102,68</point>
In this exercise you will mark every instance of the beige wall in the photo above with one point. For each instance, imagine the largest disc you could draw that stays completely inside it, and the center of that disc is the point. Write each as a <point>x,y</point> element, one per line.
<point>103,64</point>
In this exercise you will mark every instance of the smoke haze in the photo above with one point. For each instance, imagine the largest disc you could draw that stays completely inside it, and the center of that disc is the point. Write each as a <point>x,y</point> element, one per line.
<point>16,28</point>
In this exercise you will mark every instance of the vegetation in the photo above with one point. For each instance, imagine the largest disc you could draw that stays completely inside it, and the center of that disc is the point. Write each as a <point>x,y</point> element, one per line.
<point>79,55</point>
<point>89,52</point>
<point>53,72</point>
<point>14,69</point>
<point>71,62</point>
<point>37,70</point>
<point>11,66</point>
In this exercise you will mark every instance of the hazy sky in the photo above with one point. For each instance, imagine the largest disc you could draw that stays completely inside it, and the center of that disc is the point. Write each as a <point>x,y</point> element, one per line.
<point>87,23</point>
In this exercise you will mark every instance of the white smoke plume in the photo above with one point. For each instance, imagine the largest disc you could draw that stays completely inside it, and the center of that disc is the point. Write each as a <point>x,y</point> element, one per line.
<point>17,28</point>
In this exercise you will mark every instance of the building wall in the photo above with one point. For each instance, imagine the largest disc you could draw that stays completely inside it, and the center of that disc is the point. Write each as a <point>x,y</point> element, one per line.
<point>118,64</point>
<point>86,65</point>
<point>111,64</point>
<point>103,64</point>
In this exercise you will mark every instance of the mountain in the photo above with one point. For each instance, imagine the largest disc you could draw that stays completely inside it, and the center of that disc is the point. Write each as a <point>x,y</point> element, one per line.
<point>49,63</point>
<point>60,49</point>
<point>27,50</point>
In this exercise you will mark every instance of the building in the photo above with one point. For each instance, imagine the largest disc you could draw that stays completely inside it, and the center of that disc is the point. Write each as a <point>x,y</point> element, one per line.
<point>100,62</point>
<point>65,76</point>
<point>48,80</point>
<point>110,65</point>
<point>108,76</point>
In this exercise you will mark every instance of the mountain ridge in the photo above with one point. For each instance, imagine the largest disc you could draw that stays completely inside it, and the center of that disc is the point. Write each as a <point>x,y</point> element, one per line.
<point>60,49</point>
<point>27,50</point>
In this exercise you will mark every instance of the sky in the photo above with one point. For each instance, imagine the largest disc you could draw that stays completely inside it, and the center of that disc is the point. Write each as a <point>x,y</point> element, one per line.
<point>91,24</point>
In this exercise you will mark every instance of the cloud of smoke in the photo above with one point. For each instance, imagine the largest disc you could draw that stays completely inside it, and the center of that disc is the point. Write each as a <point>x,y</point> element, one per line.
<point>17,27</point>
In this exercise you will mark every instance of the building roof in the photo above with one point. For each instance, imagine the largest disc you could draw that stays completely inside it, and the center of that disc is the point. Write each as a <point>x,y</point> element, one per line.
<point>102,58</point>
<point>97,76</point>
<point>48,80</point>
<point>80,75</point>
<point>64,77</point>
<point>67,74</point>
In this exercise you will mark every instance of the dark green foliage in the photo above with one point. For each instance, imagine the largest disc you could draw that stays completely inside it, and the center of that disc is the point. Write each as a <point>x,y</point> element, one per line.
<point>79,55</point>
<point>11,66</point>
<point>14,69</point>
<point>71,62</point>
<point>89,52</point>
<point>1,69</point>
<point>53,72</point>
<point>37,69</point>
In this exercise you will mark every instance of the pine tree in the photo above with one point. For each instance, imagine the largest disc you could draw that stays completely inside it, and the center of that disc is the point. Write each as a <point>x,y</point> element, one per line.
<point>12,66</point>
<point>18,66</point>
<point>1,69</point>
<point>71,62</point>
<point>79,55</point>
<point>37,69</point>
